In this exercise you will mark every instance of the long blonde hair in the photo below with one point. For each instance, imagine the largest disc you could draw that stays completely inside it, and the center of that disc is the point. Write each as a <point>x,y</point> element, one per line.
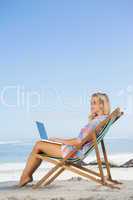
<point>103,99</point>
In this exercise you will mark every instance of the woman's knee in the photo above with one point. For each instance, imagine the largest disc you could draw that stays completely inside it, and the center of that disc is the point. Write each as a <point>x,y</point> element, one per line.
<point>38,146</point>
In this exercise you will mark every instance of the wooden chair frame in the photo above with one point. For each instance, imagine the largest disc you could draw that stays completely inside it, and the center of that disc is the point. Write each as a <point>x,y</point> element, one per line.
<point>64,163</point>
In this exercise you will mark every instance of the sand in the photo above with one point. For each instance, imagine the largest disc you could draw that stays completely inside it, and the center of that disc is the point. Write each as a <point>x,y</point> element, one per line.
<point>76,188</point>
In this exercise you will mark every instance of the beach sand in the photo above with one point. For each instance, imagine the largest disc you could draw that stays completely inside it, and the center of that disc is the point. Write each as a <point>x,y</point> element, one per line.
<point>68,186</point>
<point>75,188</point>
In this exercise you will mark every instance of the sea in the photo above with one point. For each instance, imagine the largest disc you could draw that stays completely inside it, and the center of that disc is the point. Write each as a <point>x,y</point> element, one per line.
<point>14,154</point>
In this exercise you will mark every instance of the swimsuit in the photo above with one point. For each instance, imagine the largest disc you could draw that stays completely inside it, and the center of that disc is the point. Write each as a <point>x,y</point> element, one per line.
<point>65,148</point>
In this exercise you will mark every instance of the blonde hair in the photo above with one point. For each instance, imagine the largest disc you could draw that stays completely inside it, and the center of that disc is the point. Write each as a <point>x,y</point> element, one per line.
<point>103,99</point>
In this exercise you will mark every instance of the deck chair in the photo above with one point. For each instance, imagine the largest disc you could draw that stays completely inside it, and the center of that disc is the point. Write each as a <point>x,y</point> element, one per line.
<point>69,163</point>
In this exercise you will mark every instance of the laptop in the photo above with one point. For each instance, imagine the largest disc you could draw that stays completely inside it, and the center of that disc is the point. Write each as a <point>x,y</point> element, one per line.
<point>43,133</point>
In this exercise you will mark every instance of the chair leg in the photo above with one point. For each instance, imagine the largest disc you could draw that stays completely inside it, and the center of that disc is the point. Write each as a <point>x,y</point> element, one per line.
<point>54,177</point>
<point>109,177</point>
<point>86,170</point>
<point>98,159</point>
<point>82,172</point>
<point>39,183</point>
<point>90,176</point>
<point>106,160</point>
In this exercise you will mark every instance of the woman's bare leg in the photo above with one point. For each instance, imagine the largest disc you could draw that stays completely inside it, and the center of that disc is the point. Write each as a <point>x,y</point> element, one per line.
<point>33,162</point>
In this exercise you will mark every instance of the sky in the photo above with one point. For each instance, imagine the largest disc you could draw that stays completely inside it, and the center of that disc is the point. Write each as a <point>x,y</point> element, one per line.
<point>54,55</point>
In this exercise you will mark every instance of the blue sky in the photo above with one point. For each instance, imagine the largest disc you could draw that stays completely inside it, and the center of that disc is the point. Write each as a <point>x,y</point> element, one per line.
<point>54,55</point>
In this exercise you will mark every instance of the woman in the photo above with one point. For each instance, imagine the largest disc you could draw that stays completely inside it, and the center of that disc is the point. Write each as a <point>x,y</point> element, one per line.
<point>100,109</point>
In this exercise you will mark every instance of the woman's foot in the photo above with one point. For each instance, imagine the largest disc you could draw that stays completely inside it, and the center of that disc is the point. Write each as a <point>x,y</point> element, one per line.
<point>24,181</point>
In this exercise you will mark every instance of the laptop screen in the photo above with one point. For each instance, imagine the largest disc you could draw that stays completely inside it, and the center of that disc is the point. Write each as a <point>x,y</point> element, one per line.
<point>42,130</point>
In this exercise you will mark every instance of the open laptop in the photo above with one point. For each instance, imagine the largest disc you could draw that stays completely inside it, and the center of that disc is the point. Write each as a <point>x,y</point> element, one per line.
<point>43,133</point>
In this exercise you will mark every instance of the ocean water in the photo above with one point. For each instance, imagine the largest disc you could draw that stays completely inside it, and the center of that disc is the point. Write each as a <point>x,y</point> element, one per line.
<point>13,155</point>
<point>17,151</point>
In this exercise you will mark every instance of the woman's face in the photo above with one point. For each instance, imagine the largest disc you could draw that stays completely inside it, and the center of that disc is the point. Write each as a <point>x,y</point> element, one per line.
<point>95,106</point>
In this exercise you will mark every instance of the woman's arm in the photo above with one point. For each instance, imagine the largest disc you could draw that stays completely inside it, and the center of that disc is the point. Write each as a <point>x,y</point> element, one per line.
<point>73,141</point>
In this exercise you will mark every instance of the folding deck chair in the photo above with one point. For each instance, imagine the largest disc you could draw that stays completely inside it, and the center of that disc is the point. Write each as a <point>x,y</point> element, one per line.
<point>71,163</point>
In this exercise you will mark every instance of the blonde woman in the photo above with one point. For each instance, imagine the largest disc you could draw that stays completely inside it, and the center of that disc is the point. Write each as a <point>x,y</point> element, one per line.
<point>100,109</point>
